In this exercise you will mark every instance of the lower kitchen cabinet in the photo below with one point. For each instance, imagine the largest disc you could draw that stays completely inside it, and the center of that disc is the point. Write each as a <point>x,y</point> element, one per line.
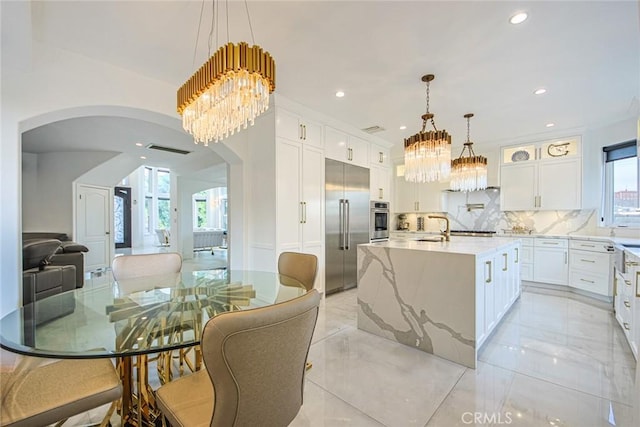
<point>526,259</point>
<point>590,266</point>
<point>551,256</point>
<point>497,288</point>
<point>627,301</point>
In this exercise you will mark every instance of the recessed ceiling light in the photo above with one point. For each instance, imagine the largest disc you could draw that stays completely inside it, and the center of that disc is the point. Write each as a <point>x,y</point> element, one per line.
<point>403,127</point>
<point>139,144</point>
<point>518,18</point>
<point>143,157</point>
<point>550,125</point>
<point>539,91</point>
<point>339,94</point>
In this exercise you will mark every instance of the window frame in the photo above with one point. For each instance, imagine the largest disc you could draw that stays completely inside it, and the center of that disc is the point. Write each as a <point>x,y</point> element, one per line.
<point>610,155</point>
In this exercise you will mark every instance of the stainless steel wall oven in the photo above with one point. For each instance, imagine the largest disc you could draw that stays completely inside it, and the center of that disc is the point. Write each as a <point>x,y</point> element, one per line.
<point>379,221</point>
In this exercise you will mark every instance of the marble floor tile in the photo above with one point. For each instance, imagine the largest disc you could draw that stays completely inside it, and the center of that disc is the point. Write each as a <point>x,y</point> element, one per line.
<point>555,360</point>
<point>533,402</point>
<point>394,384</point>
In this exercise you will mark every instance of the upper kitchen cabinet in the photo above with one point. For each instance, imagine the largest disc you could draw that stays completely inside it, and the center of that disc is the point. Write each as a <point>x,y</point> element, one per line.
<point>542,176</point>
<point>296,128</point>
<point>379,156</point>
<point>346,148</point>
<point>418,197</point>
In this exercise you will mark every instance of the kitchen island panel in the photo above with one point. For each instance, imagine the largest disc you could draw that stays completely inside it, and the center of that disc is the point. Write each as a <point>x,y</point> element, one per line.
<point>427,302</point>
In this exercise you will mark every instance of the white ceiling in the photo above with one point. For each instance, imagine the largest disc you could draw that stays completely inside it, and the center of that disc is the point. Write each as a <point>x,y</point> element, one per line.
<point>585,53</point>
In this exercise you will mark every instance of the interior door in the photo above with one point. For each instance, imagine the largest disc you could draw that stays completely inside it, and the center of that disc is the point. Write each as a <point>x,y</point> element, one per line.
<point>93,224</point>
<point>122,217</point>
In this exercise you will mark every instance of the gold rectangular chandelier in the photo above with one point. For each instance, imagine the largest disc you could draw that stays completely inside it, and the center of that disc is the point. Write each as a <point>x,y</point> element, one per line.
<point>468,173</point>
<point>227,92</point>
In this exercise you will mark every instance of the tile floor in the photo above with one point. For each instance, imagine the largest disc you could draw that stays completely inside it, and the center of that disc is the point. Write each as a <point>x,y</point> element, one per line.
<point>554,361</point>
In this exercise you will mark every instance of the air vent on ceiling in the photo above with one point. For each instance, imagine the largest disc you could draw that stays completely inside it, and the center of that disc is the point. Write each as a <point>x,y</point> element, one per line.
<point>168,149</point>
<point>373,129</point>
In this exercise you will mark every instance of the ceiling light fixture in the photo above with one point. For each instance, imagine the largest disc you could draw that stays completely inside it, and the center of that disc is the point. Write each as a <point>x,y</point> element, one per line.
<point>550,125</point>
<point>519,18</point>
<point>468,173</point>
<point>339,94</point>
<point>427,154</point>
<point>228,91</point>
<point>139,144</point>
<point>540,91</point>
<point>403,127</point>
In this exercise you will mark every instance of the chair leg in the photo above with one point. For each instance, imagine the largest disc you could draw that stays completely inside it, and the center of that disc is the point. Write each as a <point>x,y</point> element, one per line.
<point>107,418</point>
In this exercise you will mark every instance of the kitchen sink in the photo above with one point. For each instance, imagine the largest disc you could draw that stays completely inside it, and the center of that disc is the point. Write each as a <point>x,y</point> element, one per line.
<point>430,239</point>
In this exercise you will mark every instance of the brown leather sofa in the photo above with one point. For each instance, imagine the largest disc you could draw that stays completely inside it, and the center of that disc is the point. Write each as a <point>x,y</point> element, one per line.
<point>68,253</point>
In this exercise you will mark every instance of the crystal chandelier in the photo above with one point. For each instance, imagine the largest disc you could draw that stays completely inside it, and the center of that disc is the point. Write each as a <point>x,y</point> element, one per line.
<point>427,154</point>
<point>468,173</point>
<point>227,92</point>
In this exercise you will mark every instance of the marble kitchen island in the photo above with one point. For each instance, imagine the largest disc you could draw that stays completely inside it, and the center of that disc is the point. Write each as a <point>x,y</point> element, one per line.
<point>443,298</point>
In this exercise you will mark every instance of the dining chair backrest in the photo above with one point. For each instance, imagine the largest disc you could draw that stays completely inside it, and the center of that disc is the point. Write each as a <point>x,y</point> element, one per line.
<point>299,266</point>
<point>39,392</point>
<point>133,266</point>
<point>256,361</point>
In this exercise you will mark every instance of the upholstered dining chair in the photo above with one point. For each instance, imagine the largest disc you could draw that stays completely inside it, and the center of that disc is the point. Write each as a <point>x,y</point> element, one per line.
<point>132,273</point>
<point>133,266</point>
<point>299,266</point>
<point>39,392</point>
<point>255,368</point>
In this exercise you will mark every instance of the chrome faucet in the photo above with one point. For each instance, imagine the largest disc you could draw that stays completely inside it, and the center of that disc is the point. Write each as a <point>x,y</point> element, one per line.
<point>447,231</point>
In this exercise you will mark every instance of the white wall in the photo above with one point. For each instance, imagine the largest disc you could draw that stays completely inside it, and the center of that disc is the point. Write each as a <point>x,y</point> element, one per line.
<point>41,85</point>
<point>47,197</point>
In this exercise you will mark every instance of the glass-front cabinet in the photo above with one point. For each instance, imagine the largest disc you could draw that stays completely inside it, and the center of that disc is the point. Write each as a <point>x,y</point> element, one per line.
<point>546,175</point>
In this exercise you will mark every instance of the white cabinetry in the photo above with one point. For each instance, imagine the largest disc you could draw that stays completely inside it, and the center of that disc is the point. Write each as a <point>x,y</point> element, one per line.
<point>627,300</point>
<point>526,259</point>
<point>380,173</point>
<point>551,260</point>
<point>590,266</point>
<point>497,288</point>
<point>296,128</point>
<point>542,176</point>
<point>346,148</point>
<point>380,183</point>
<point>419,197</point>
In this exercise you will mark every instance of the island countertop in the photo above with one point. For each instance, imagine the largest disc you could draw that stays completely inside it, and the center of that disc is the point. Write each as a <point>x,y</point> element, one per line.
<point>458,245</point>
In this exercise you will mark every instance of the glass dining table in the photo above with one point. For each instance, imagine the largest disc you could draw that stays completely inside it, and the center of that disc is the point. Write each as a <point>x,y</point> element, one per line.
<point>132,320</point>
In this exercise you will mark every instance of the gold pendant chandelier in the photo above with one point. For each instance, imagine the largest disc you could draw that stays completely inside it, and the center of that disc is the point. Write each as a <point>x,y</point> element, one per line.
<point>427,154</point>
<point>468,173</point>
<point>227,92</point>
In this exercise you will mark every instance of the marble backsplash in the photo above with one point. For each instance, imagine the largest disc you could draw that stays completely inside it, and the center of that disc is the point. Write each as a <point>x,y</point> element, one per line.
<point>480,210</point>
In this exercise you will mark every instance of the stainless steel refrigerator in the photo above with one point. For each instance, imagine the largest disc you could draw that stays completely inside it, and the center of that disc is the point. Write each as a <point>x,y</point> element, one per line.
<point>346,223</point>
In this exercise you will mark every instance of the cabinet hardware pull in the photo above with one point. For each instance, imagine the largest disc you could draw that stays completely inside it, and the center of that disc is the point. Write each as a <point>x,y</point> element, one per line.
<point>626,304</point>
<point>637,284</point>
<point>380,193</point>
<point>381,157</point>
<point>566,256</point>
<point>304,128</point>
<point>304,205</point>
<point>550,243</point>
<point>517,255</point>
<point>488,263</point>
<point>627,282</point>
<point>587,246</point>
<point>299,131</point>
<point>301,213</point>
<point>588,281</point>
<point>587,260</point>
<point>631,263</point>
<point>505,262</point>
<point>626,326</point>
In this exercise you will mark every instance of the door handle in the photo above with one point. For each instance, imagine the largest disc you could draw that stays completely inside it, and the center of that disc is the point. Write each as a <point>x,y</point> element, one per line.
<point>348,228</point>
<point>341,224</point>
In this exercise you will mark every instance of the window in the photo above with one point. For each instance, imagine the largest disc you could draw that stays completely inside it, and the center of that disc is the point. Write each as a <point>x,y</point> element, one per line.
<point>157,199</point>
<point>210,208</point>
<point>621,202</point>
